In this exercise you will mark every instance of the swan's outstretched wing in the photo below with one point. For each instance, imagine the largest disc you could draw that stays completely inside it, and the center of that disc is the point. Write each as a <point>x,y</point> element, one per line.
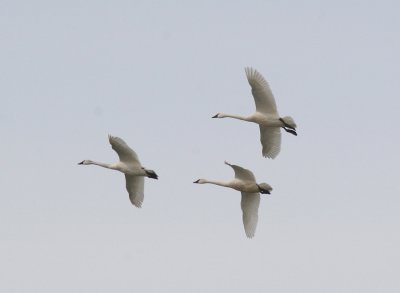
<point>135,188</point>
<point>265,101</point>
<point>250,203</point>
<point>271,141</point>
<point>125,153</point>
<point>242,173</point>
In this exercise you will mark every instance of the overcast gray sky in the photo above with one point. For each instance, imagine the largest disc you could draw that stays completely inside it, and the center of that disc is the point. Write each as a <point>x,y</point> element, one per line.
<point>153,73</point>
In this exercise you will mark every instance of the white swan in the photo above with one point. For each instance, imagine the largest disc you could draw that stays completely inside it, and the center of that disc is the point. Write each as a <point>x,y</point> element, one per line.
<point>266,115</point>
<point>245,182</point>
<point>129,165</point>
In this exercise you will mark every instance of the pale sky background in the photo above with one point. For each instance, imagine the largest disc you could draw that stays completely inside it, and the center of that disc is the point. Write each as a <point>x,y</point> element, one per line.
<point>153,73</point>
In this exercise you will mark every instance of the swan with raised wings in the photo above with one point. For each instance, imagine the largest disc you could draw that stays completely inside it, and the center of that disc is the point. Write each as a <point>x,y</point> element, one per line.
<point>128,164</point>
<point>266,115</point>
<point>245,182</point>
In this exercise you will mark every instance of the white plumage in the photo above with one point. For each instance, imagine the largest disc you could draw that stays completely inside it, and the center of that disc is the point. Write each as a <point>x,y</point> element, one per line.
<point>245,182</point>
<point>130,165</point>
<point>266,115</point>
<point>263,97</point>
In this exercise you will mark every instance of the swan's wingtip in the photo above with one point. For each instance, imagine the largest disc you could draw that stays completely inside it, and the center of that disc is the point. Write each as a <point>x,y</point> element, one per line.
<point>135,202</point>
<point>269,156</point>
<point>249,70</point>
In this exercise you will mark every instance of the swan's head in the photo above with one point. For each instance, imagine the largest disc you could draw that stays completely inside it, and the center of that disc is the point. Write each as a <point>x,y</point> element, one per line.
<point>218,115</point>
<point>85,162</point>
<point>264,188</point>
<point>200,181</point>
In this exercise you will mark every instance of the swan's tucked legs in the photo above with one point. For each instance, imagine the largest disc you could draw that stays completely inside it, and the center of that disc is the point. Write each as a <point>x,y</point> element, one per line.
<point>151,174</point>
<point>290,130</point>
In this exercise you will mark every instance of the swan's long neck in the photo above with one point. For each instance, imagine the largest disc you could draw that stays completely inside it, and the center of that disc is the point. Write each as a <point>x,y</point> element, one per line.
<point>244,118</point>
<point>216,182</point>
<point>104,165</point>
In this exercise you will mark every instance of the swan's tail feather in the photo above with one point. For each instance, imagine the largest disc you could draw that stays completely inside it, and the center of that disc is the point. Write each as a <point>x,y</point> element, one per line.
<point>289,121</point>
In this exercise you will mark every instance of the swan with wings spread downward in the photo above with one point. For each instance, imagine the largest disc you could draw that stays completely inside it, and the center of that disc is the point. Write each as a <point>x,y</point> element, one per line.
<point>266,115</point>
<point>128,164</point>
<point>245,182</point>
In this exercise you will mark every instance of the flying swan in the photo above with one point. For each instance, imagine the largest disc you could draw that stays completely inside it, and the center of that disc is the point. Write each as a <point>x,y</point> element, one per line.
<point>245,182</point>
<point>266,115</point>
<point>128,164</point>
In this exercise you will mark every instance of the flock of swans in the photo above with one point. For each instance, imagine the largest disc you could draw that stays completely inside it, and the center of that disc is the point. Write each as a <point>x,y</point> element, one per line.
<point>270,123</point>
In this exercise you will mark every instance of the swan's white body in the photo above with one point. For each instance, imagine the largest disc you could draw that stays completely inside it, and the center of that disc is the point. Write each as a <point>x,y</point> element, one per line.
<point>266,115</point>
<point>128,164</point>
<point>245,182</point>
